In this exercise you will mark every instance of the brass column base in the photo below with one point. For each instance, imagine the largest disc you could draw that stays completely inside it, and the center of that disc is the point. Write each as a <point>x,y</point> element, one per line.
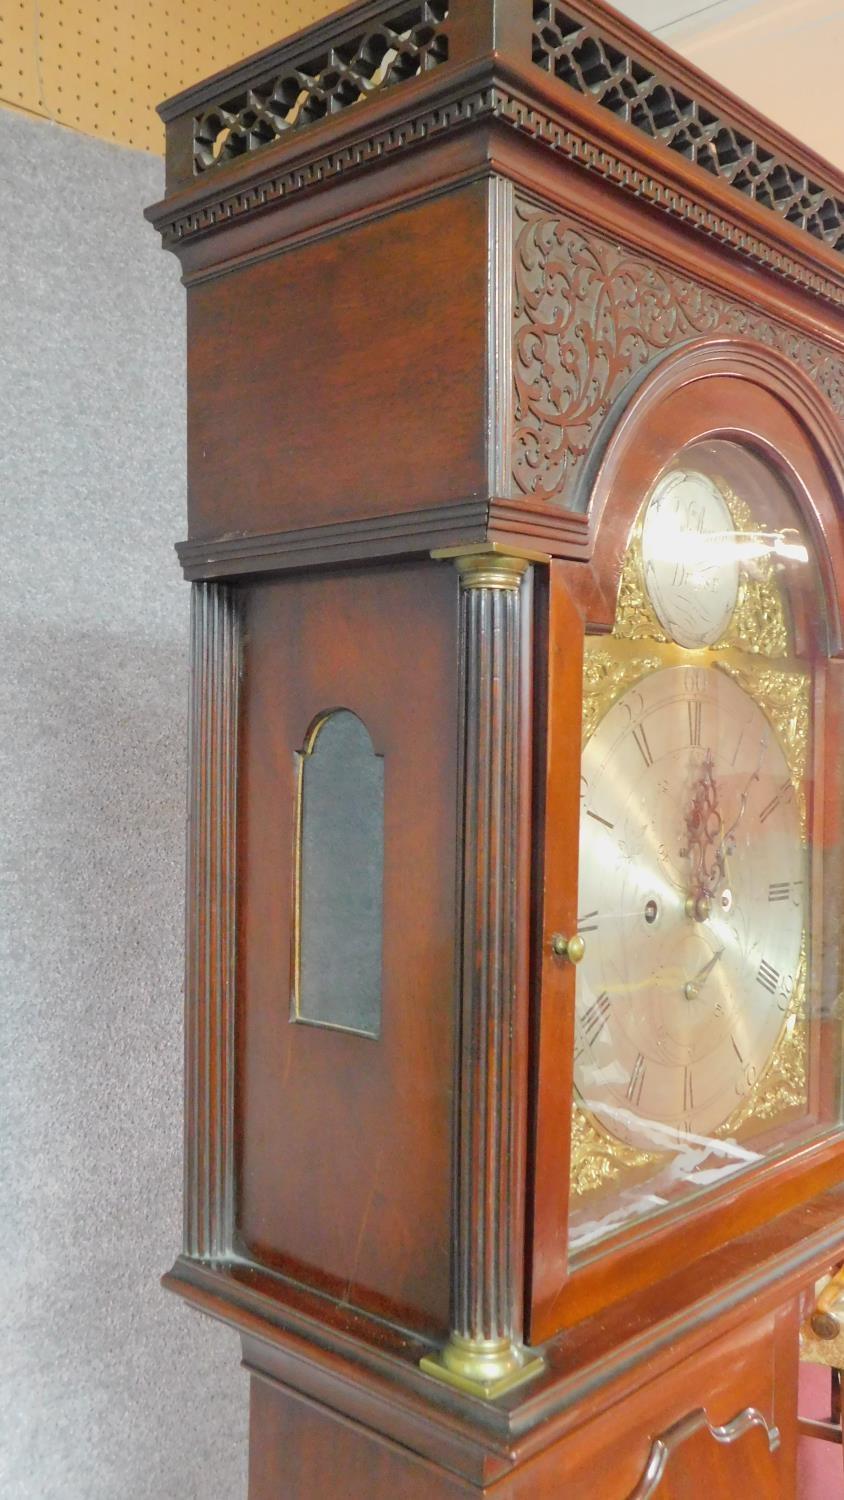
<point>482,1367</point>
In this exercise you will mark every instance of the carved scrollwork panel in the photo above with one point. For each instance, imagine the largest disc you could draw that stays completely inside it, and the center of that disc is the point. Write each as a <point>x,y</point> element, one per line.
<point>589,316</point>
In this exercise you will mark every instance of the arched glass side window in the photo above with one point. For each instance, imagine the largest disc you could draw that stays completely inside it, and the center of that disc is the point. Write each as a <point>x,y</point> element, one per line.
<point>339,877</point>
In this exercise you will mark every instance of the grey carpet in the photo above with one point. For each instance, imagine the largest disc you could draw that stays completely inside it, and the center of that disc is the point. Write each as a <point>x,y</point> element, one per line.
<point>109,1388</point>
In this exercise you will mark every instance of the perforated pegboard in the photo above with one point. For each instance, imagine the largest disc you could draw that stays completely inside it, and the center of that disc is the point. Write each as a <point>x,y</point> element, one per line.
<point>19,54</point>
<point>101,66</point>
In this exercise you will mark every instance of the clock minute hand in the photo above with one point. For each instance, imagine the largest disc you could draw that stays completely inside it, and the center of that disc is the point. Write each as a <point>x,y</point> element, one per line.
<point>724,848</point>
<point>693,987</point>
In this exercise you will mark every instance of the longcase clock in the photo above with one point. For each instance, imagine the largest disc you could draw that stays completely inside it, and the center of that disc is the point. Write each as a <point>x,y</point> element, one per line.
<point>513,1005</point>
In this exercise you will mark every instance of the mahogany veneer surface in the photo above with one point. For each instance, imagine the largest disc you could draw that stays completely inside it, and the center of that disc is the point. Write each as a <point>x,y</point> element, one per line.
<point>316,383</point>
<point>361,1205</point>
<point>299,1450</point>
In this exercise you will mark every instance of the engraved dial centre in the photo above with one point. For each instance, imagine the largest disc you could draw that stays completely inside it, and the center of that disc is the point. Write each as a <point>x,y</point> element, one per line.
<point>690,833</point>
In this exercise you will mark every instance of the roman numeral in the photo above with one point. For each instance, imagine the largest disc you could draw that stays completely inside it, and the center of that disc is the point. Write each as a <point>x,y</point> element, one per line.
<point>779,891</point>
<point>595,1017</point>
<point>775,801</point>
<point>598,819</point>
<point>586,922</point>
<point>736,1049</point>
<point>768,976</point>
<point>695,712</point>
<point>688,1090</point>
<point>642,741</point>
<point>637,1081</point>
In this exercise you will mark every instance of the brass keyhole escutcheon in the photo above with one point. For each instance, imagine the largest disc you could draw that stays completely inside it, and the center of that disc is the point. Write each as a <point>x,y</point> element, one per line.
<point>572,948</point>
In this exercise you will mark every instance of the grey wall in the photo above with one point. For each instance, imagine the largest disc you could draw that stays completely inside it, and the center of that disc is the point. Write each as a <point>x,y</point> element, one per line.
<point>108,1387</point>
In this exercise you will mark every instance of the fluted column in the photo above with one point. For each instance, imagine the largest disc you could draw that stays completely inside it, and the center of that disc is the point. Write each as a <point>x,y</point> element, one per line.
<point>210,938</point>
<point>484,1353</point>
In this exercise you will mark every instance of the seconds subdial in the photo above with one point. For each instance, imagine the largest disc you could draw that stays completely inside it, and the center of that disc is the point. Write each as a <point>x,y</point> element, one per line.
<point>689,557</point>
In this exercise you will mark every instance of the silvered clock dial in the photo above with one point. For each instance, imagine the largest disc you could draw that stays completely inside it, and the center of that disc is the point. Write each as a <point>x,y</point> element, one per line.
<point>690,558</point>
<point>693,902</point>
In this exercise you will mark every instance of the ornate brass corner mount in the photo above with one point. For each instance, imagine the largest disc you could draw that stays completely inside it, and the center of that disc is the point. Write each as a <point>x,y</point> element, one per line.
<point>486,1368</point>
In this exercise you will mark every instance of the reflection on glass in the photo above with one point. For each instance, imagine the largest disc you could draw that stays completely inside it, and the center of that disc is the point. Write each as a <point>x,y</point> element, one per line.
<point>698,996</point>
<point>337,957</point>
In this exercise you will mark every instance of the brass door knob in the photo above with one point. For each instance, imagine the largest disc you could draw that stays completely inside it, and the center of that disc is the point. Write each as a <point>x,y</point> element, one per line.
<point>572,948</point>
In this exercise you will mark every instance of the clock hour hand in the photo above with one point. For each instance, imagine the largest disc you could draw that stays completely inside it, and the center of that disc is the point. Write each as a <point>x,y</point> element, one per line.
<point>704,829</point>
<point>693,987</point>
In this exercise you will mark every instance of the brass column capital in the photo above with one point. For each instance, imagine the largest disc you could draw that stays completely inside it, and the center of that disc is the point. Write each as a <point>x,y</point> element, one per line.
<point>491,570</point>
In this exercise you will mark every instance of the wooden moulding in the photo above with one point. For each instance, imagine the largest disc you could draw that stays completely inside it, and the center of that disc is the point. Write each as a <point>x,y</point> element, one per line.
<point>210,939</point>
<point>498,68</point>
<point>369,1374</point>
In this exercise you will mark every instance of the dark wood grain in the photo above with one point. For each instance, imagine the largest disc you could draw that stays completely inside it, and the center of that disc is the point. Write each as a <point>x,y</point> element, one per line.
<point>344,1142</point>
<point>296,1442</point>
<point>557,811</point>
<point>298,1450</point>
<point>316,390</point>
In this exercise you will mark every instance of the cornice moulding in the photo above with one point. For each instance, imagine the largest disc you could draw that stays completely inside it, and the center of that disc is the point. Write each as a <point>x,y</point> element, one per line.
<point>580,133</point>
<point>583,83</point>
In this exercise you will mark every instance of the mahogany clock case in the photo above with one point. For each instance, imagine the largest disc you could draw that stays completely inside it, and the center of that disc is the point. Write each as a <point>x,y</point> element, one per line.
<point>474,316</point>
